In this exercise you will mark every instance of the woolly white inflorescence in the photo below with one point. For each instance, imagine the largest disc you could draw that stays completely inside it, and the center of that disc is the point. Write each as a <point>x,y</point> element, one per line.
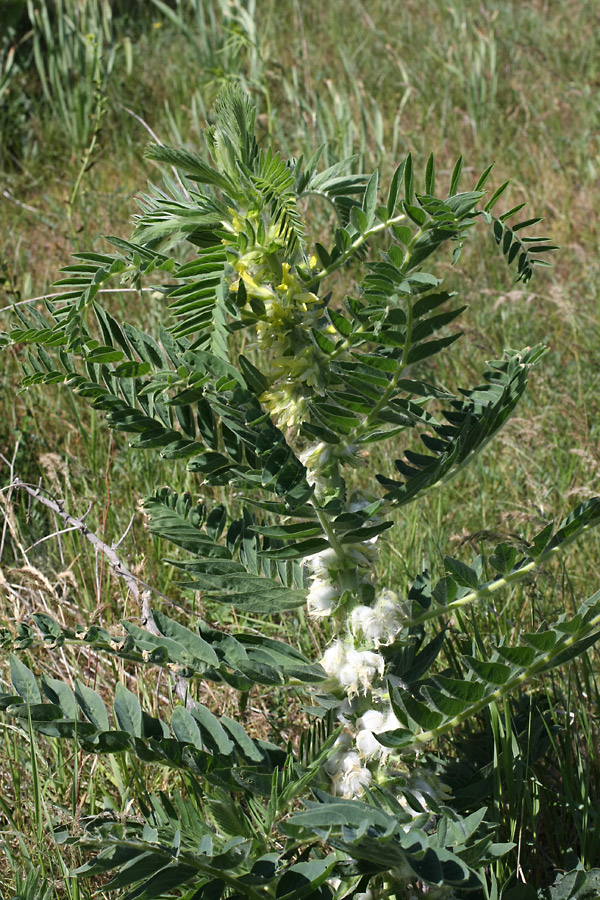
<point>353,669</point>
<point>322,592</point>
<point>315,456</point>
<point>349,776</point>
<point>371,723</point>
<point>320,564</point>
<point>379,623</point>
<point>321,598</point>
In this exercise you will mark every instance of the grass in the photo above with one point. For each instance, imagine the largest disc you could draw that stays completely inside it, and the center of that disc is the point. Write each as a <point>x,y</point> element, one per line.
<point>503,82</point>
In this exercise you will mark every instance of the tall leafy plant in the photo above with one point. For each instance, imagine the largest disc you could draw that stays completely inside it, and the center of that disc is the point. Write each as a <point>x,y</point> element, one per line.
<point>269,376</point>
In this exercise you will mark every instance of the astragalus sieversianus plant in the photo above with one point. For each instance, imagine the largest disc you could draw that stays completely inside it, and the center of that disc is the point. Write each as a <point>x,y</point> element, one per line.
<point>282,360</point>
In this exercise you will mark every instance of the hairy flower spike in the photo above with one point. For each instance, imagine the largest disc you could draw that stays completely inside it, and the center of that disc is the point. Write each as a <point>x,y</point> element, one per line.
<point>355,670</point>
<point>380,623</point>
<point>344,766</point>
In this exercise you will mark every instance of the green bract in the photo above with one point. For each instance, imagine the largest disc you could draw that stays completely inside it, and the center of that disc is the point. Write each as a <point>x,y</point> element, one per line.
<point>268,377</point>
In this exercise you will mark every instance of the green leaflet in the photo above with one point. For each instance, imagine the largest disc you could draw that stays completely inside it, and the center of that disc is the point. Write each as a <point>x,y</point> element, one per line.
<point>303,878</point>
<point>36,712</point>
<point>341,813</point>
<point>186,728</point>
<point>23,681</point>
<point>61,694</point>
<point>297,551</point>
<point>92,706</point>
<point>128,712</point>
<point>214,735</point>
<point>196,646</point>
<point>489,679</point>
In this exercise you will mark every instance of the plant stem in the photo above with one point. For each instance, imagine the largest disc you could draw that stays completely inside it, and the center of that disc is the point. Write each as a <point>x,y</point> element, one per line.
<point>335,544</point>
<point>492,587</point>
<point>354,246</point>
<point>508,686</point>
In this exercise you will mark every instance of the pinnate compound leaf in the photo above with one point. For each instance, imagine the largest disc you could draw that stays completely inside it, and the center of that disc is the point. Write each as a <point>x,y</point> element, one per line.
<point>472,423</point>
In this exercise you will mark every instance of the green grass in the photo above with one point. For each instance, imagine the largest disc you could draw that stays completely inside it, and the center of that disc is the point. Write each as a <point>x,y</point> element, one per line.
<point>504,82</point>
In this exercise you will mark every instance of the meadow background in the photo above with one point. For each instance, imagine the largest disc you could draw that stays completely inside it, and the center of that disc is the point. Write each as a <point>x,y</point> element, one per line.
<point>84,85</point>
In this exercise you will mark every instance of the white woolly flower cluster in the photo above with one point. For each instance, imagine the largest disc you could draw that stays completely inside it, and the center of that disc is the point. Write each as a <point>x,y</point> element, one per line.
<point>354,670</point>
<point>364,554</point>
<point>379,623</point>
<point>321,564</point>
<point>320,458</point>
<point>321,598</point>
<point>315,458</point>
<point>349,776</point>
<point>371,723</point>
<point>322,592</point>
